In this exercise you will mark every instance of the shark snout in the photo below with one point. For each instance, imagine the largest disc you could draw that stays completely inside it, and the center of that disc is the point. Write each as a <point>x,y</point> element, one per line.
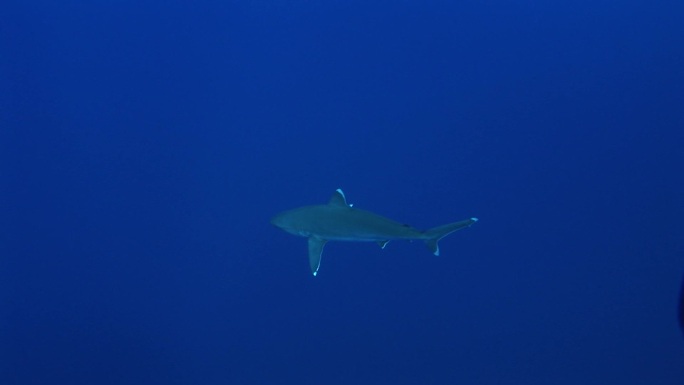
<point>284,221</point>
<point>278,221</point>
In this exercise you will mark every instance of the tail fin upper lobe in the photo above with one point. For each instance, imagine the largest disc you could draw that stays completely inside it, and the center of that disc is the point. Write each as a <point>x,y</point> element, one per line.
<point>434,234</point>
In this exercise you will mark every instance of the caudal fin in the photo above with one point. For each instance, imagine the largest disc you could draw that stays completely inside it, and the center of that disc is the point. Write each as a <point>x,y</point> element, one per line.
<point>434,234</point>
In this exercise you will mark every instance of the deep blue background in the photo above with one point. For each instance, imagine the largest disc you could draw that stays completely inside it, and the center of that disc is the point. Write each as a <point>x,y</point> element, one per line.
<point>145,146</point>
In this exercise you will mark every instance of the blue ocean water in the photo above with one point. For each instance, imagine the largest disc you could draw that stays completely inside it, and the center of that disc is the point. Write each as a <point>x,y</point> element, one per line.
<point>144,147</point>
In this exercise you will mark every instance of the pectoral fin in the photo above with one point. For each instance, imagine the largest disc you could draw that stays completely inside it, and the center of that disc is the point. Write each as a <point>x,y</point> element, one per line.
<point>315,252</point>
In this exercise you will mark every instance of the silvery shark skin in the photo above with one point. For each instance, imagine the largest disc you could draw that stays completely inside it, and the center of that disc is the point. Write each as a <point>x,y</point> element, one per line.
<point>339,221</point>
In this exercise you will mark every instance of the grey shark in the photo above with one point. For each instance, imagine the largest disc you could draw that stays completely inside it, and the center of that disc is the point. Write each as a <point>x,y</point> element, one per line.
<point>339,221</point>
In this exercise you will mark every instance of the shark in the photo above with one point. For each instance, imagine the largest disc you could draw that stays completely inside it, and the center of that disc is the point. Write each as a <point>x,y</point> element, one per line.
<point>339,221</point>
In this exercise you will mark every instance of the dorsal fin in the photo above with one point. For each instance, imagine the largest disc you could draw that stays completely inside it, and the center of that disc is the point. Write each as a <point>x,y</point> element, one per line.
<point>338,199</point>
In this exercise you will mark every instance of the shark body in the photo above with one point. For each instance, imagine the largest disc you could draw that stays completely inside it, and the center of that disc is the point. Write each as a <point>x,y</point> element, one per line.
<point>339,221</point>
